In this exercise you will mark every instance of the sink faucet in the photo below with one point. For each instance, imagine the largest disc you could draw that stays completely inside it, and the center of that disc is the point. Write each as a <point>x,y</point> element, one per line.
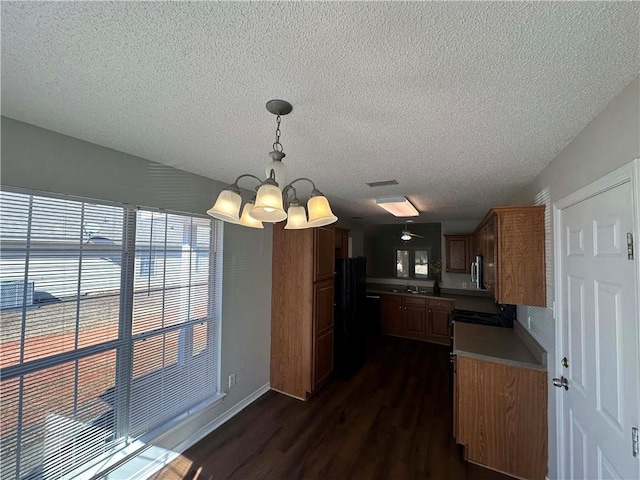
<point>414,288</point>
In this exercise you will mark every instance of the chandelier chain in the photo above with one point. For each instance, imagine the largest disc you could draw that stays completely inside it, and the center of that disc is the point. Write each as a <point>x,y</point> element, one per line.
<point>277,146</point>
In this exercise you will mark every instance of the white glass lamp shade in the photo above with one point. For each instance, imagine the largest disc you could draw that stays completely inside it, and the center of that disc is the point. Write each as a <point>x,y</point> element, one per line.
<point>296,218</point>
<point>280,172</point>
<point>247,220</point>
<point>227,207</point>
<point>268,207</point>
<point>406,237</point>
<point>320,213</point>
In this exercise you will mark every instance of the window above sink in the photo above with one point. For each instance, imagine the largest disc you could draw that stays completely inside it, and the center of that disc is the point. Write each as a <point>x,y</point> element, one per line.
<point>412,262</point>
<point>382,242</point>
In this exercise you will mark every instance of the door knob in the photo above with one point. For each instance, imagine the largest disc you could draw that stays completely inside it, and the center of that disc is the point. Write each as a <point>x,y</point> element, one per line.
<point>564,362</point>
<point>561,382</point>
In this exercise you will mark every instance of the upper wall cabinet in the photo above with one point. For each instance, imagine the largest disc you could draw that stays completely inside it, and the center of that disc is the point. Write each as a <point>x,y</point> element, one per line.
<point>458,253</point>
<point>511,241</point>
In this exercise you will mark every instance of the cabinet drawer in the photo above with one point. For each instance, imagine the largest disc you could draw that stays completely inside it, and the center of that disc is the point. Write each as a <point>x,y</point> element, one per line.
<point>448,304</point>
<point>414,301</point>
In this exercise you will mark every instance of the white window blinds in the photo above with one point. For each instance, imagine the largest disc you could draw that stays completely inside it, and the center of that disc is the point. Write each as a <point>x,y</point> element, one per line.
<point>173,359</point>
<point>98,346</point>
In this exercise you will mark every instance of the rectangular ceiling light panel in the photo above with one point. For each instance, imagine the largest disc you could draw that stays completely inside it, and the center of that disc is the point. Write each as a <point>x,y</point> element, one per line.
<point>398,206</point>
<point>383,183</point>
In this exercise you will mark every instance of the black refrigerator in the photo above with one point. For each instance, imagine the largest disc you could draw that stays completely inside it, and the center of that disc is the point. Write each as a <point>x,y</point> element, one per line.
<point>349,316</point>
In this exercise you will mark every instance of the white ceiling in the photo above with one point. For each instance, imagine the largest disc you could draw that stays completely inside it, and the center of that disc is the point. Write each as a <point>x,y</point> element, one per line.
<point>462,103</point>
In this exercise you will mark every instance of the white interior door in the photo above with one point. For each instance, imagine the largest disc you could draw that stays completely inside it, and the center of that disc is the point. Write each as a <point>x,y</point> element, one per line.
<point>599,336</point>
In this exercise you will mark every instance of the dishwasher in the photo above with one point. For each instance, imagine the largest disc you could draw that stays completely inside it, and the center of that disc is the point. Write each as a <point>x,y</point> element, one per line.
<point>372,315</point>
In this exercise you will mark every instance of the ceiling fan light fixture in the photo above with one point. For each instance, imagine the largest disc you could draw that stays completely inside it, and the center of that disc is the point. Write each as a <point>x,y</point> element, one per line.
<point>398,206</point>
<point>405,237</point>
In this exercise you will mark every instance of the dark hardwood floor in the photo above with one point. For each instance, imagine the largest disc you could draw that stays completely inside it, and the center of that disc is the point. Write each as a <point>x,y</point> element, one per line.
<point>392,420</point>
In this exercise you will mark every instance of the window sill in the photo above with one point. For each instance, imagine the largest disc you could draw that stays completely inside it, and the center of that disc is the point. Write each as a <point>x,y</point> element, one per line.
<point>140,458</point>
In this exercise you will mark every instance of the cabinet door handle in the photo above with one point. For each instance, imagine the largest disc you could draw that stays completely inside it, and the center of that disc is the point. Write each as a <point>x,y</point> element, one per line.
<point>429,310</point>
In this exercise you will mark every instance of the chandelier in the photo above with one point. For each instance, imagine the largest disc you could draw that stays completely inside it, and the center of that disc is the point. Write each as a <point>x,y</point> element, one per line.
<point>274,202</point>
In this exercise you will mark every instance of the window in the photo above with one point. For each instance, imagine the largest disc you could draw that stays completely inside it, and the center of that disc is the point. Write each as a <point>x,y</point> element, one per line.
<point>421,263</point>
<point>170,311</point>
<point>402,263</point>
<point>412,263</point>
<point>99,348</point>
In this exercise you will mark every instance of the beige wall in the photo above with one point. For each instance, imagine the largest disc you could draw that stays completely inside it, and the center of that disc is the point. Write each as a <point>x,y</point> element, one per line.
<point>46,161</point>
<point>609,141</point>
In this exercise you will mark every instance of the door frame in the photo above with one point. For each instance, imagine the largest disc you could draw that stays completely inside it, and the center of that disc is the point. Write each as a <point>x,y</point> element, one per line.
<point>627,173</point>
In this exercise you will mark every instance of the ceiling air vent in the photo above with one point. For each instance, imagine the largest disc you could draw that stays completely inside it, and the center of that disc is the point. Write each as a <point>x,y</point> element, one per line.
<point>384,183</point>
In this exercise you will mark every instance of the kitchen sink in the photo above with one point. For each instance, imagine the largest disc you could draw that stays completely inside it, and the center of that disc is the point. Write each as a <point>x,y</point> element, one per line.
<point>405,290</point>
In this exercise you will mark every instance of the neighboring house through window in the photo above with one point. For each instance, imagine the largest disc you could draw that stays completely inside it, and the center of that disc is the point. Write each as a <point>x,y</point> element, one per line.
<point>100,347</point>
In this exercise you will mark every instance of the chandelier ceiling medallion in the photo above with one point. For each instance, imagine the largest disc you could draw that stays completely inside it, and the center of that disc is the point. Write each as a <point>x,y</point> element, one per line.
<point>274,201</point>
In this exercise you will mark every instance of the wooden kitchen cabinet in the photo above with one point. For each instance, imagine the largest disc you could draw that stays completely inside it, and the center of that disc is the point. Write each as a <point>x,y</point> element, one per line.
<point>323,329</point>
<point>302,309</point>
<point>404,316</point>
<point>341,236</point>
<point>414,317</point>
<point>439,327</point>
<point>323,253</point>
<point>458,253</point>
<point>489,251</point>
<point>511,241</point>
<point>417,317</point>
<point>500,416</point>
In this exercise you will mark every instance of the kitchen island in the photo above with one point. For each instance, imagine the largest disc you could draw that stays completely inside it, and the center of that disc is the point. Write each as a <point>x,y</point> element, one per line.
<point>500,399</point>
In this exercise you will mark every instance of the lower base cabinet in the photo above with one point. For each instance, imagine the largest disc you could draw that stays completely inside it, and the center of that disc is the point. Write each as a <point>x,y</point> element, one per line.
<point>500,416</point>
<point>420,318</point>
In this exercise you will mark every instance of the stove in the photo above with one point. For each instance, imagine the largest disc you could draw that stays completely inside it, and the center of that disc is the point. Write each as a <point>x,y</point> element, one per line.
<point>504,318</point>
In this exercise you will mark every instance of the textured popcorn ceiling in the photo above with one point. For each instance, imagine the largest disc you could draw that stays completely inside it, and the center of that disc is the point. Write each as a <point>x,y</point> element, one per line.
<point>461,103</point>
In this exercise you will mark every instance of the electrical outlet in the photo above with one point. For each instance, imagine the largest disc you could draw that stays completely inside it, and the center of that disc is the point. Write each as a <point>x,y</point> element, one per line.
<point>232,380</point>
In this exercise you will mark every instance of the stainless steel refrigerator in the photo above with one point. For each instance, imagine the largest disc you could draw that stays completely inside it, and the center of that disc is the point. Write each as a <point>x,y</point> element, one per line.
<point>349,350</point>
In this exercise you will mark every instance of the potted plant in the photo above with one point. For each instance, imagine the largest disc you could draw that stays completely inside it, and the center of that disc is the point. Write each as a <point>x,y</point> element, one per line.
<point>436,270</point>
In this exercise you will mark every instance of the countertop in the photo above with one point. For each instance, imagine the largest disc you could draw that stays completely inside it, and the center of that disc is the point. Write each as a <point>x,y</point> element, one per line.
<point>502,345</point>
<point>477,302</point>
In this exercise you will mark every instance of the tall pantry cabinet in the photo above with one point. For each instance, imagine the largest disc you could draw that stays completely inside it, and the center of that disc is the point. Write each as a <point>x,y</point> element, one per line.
<point>302,309</point>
